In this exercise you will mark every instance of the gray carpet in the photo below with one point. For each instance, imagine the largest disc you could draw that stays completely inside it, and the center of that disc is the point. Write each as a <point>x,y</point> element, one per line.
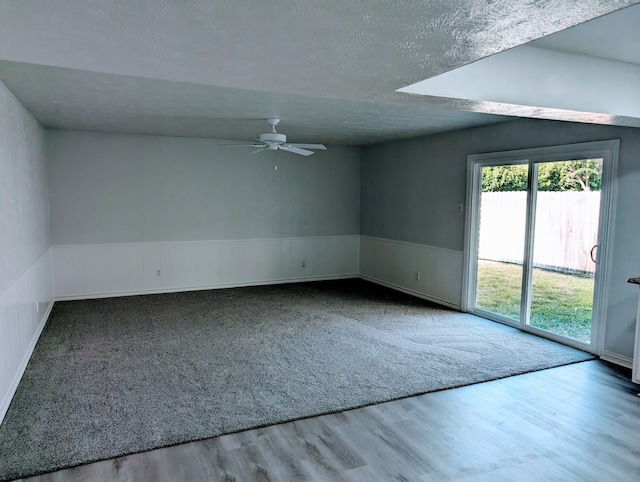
<point>122,375</point>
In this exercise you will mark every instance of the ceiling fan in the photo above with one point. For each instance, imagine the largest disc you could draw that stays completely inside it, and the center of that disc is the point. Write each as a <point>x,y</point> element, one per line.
<point>274,141</point>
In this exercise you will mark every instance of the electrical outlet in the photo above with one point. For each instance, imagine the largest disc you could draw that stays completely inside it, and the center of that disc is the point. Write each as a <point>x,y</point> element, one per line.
<point>37,307</point>
<point>417,275</point>
<point>304,264</point>
<point>158,273</point>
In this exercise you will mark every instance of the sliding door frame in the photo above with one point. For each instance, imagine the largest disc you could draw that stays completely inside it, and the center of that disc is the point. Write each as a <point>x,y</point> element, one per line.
<point>608,151</point>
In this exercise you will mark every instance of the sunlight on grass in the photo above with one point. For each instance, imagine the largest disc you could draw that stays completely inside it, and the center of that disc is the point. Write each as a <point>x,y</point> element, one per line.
<point>560,303</point>
<point>498,288</point>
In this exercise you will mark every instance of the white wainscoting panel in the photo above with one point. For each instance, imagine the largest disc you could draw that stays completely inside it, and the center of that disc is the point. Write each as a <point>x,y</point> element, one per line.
<point>89,271</point>
<point>24,308</point>
<point>395,263</point>
<point>190,264</point>
<point>266,259</point>
<point>234,262</point>
<point>119,261</point>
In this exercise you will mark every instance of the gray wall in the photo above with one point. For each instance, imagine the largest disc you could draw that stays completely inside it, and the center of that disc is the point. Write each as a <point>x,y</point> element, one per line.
<point>108,188</point>
<point>411,189</point>
<point>24,204</point>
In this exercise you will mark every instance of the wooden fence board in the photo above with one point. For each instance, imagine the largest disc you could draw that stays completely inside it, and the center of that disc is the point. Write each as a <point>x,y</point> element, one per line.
<point>566,228</point>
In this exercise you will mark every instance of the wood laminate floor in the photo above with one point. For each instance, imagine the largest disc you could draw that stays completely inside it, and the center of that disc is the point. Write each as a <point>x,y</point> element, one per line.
<point>578,422</point>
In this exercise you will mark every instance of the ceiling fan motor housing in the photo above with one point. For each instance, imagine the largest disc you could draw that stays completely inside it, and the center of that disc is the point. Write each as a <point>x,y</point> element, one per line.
<point>273,138</point>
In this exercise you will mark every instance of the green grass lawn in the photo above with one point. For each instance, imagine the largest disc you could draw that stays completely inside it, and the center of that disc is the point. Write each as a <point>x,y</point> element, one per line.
<point>560,303</point>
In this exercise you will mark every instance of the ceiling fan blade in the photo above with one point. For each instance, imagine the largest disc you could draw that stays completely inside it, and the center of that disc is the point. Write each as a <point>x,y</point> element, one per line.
<point>259,149</point>
<point>321,147</point>
<point>239,145</point>
<point>295,150</point>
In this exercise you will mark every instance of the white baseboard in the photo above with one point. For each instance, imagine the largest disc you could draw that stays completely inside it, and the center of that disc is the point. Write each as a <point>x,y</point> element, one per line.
<point>23,364</point>
<point>411,292</point>
<point>94,296</point>
<point>623,361</point>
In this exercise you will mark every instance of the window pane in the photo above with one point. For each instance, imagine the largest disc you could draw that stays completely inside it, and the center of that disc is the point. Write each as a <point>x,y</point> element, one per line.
<point>501,237</point>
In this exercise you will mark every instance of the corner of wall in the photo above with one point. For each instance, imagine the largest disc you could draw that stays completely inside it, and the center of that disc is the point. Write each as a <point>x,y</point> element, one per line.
<point>26,290</point>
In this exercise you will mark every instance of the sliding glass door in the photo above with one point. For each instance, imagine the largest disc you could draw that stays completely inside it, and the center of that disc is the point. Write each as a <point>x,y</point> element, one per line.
<point>537,238</point>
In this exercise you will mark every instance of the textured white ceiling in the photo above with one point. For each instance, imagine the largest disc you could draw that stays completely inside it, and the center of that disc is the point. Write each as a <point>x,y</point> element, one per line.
<point>75,99</point>
<point>330,68</point>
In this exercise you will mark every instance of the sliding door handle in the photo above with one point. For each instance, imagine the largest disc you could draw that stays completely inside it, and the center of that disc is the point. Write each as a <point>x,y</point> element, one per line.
<point>593,258</point>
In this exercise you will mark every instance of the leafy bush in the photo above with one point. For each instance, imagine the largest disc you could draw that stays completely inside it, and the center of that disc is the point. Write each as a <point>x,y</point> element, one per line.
<point>582,175</point>
<point>504,178</point>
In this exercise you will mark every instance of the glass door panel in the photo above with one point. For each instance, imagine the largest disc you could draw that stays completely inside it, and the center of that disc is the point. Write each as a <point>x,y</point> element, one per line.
<point>564,247</point>
<point>501,239</point>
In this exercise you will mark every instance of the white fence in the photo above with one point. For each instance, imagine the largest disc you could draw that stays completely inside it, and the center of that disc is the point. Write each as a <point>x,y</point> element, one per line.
<point>566,228</point>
